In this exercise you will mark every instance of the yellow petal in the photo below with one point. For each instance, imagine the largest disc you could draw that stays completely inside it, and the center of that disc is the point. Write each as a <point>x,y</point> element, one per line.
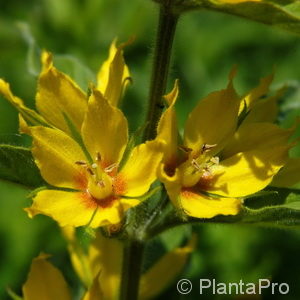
<point>248,172</point>
<point>28,114</point>
<point>79,258</point>
<point>55,154</point>
<point>201,206</point>
<point>104,130</point>
<point>73,209</point>
<point>165,271</point>
<point>171,182</point>
<point>95,291</point>
<point>289,175</point>
<point>23,125</point>
<point>106,255</point>
<point>128,203</point>
<point>140,170</point>
<point>58,95</point>
<point>262,89</point>
<point>167,127</point>
<point>113,75</point>
<point>213,120</point>
<point>251,136</point>
<point>265,110</point>
<point>45,282</point>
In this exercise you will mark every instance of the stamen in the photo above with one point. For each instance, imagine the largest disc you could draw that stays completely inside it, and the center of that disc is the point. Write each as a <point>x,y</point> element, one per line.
<point>90,171</point>
<point>98,157</point>
<point>185,149</point>
<point>215,160</point>
<point>196,165</point>
<point>207,147</point>
<point>81,163</point>
<point>110,168</point>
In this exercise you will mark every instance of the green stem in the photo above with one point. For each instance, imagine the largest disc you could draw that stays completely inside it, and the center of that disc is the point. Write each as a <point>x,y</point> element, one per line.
<point>134,249</point>
<point>132,265</point>
<point>160,69</point>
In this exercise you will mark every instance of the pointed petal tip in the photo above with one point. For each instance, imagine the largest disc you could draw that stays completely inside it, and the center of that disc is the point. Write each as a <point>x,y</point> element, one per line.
<point>47,60</point>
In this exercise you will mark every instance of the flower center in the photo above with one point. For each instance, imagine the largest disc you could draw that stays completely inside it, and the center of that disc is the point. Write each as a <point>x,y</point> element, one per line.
<point>200,170</point>
<point>100,180</point>
<point>100,188</point>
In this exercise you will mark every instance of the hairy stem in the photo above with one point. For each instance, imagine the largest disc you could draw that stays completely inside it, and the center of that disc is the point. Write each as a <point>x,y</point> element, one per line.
<point>132,264</point>
<point>160,68</point>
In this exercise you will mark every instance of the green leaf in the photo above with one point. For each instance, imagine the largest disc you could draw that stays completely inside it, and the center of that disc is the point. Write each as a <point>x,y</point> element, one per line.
<point>17,165</point>
<point>173,238</point>
<point>279,209</point>
<point>72,66</point>
<point>281,13</point>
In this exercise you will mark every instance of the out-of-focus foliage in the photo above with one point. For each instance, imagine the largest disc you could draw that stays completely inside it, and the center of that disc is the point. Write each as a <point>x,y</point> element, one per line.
<point>206,46</point>
<point>280,13</point>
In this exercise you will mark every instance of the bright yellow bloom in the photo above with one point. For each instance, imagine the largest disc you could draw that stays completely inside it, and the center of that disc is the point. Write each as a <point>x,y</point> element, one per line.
<point>100,189</point>
<point>59,100</point>
<point>105,256</point>
<point>219,162</point>
<point>79,142</point>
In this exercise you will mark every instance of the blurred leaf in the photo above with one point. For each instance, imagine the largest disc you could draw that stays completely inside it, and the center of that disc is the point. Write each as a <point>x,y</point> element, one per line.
<point>17,165</point>
<point>80,73</point>
<point>34,52</point>
<point>281,13</point>
<point>13,295</point>
<point>173,238</point>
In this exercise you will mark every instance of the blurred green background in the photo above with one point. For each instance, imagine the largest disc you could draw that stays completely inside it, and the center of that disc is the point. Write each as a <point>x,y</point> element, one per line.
<point>207,45</point>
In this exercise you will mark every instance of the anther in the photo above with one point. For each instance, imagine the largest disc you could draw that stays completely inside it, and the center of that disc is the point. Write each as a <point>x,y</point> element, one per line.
<point>98,157</point>
<point>110,168</point>
<point>81,163</point>
<point>185,149</point>
<point>207,147</point>
<point>90,171</point>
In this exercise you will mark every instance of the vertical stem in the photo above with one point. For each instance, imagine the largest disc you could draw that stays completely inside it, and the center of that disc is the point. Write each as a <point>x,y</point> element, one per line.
<point>132,264</point>
<point>134,249</point>
<point>160,69</point>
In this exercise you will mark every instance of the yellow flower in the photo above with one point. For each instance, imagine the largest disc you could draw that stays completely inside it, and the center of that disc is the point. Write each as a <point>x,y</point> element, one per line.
<point>219,162</point>
<point>100,189</point>
<point>105,256</point>
<point>79,143</point>
<point>46,282</point>
<point>59,100</point>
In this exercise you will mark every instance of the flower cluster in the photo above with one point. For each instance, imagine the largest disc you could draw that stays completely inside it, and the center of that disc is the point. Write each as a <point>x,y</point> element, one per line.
<point>230,148</point>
